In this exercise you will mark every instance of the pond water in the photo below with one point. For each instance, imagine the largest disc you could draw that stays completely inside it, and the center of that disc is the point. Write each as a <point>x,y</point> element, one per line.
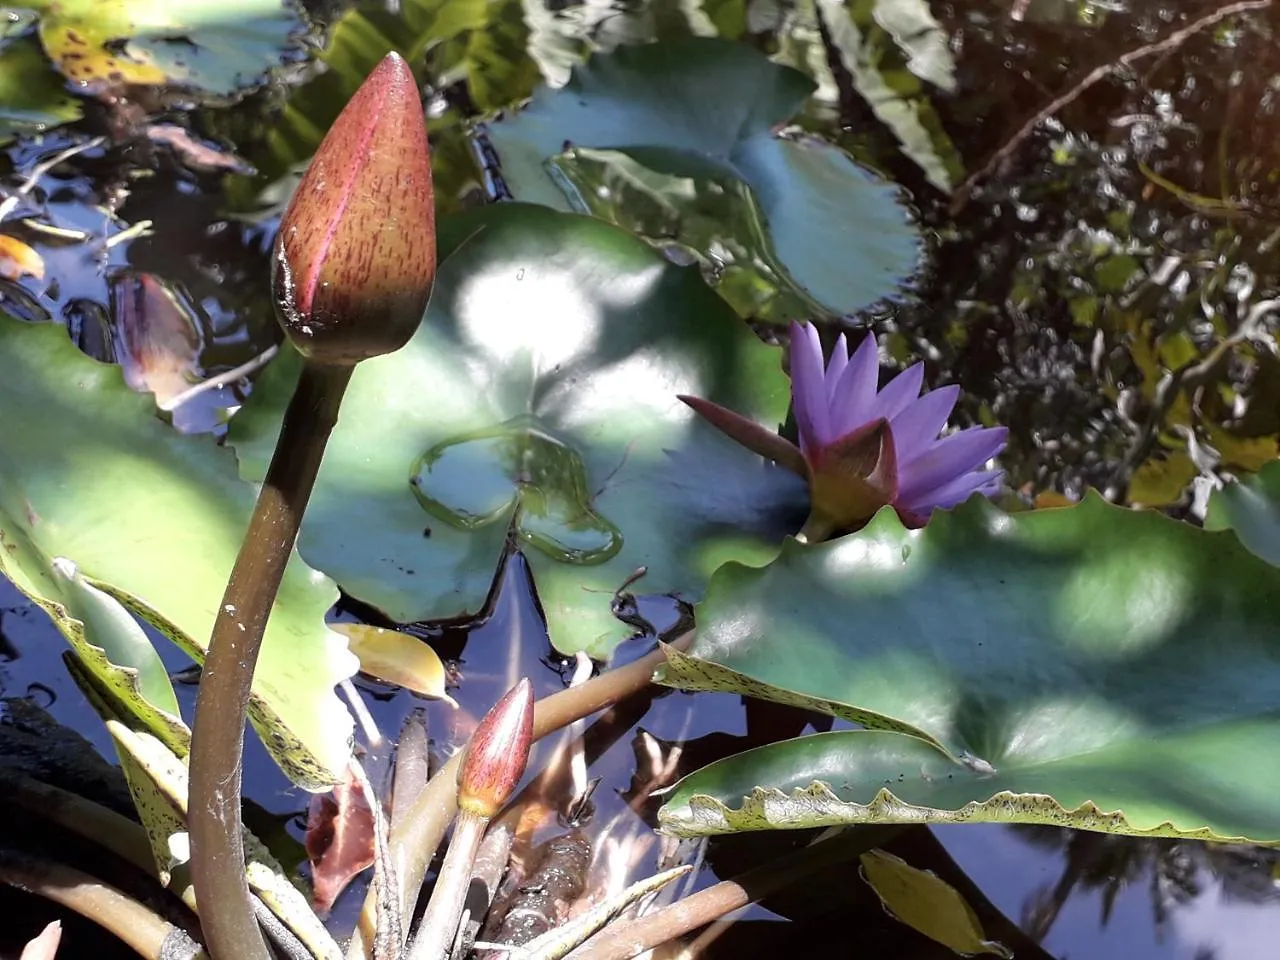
<point>1095,186</point>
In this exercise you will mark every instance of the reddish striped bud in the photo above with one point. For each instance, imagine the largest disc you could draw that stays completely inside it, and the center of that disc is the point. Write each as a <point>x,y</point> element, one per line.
<point>497,754</point>
<point>355,257</point>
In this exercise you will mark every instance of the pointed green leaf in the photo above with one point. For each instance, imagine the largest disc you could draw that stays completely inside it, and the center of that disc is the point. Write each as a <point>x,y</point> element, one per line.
<point>927,903</point>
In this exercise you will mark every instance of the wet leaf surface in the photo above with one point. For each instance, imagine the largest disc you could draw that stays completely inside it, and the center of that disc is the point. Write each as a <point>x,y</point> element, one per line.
<point>540,394</point>
<point>709,109</point>
<point>399,658</point>
<point>87,473</point>
<point>32,97</point>
<point>1088,666</point>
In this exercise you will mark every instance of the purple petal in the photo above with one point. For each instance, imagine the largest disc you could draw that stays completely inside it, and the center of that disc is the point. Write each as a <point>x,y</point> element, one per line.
<point>808,389</point>
<point>898,392</point>
<point>949,458</point>
<point>917,426</point>
<point>839,360</point>
<point>856,389</point>
<point>957,491</point>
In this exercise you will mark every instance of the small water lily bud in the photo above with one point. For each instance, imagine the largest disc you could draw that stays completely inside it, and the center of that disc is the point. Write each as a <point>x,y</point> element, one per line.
<point>497,754</point>
<point>355,257</point>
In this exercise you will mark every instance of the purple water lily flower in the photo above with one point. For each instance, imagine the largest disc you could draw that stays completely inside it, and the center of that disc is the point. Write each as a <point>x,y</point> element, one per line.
<point>862,448</point>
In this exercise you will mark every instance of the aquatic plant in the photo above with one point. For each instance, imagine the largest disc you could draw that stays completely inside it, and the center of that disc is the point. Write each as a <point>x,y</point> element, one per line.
<point>354,263</point>
<point>862,448</point>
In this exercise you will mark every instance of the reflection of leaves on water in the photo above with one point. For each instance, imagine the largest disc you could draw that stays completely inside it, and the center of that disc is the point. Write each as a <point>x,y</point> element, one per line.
<point>1114,319</point>
<point>1176,872</point>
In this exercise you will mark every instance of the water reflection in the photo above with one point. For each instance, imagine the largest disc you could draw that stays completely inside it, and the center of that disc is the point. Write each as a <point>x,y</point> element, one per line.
<point>1104,282</point>
<point>1092,895</point>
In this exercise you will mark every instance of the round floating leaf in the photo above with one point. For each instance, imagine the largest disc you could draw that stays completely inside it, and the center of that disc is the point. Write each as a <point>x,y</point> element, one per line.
<point>540,392</point>
<point>707,109</point>
<point>218,46</point>
<point>1251,507</point>
<point>1090,666</point>
<point>155,519</point>
<point>32,99</point>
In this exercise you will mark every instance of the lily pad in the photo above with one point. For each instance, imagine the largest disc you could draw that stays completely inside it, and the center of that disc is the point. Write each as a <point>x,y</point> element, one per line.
<point>32,96</point>
<point>540,393</point>
<point>1091,667</point>
<point>218,46</point>
<point>708,109</point>
<point>1251,507</point>
<point>155,519</point>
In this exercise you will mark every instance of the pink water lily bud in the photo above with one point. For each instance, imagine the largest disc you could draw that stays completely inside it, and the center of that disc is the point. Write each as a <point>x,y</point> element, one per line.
<point>497,753</point>
<point>355,257</point>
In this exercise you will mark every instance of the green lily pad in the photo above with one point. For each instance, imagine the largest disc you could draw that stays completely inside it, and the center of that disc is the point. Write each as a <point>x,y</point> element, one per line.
<point>1251,507</point>
<point>218,46</point>
<point>540,391</point>
<point>155,519</point>
<point>1090,666</point>
<point>32,96</point>
<point>707,109</point>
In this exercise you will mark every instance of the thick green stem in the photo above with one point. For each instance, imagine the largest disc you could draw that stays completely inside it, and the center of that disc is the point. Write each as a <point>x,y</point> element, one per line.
<point>217,736</point>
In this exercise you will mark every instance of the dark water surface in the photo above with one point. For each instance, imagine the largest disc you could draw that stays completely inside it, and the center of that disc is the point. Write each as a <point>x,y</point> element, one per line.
<point>1102,280</point>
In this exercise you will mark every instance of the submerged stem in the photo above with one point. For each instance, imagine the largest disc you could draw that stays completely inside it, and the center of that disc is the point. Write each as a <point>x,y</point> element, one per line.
<point>444,910</point>
<point>217,736</point>
<point>139,927</point>
<point>627,938</point>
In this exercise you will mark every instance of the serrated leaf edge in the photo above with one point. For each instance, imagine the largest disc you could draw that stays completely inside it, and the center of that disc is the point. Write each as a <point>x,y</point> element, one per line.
<point>768,808</point>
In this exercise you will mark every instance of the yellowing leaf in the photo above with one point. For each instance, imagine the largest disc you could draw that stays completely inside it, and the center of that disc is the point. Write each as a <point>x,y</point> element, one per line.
<point>215,45</point>
<point>17,260</point>
<point>397,658</point>
<point>1244,453</point>
<point>927,904</point>
<point>1160,481</point>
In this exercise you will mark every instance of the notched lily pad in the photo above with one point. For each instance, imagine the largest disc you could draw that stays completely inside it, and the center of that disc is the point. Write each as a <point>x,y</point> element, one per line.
<point>541,389</point>
<point>708,111</point>
<point>1091,666</point>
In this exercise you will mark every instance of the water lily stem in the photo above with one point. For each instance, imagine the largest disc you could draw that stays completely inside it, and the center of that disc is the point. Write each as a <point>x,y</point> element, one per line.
<point>444,910</point>
<point>627,938</point>
<point>139,927</point>
<point>415,837</point>
<point>217,737</point>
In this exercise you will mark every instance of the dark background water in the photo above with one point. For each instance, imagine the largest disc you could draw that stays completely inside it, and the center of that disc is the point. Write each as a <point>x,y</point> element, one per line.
<point>1100,280</point>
